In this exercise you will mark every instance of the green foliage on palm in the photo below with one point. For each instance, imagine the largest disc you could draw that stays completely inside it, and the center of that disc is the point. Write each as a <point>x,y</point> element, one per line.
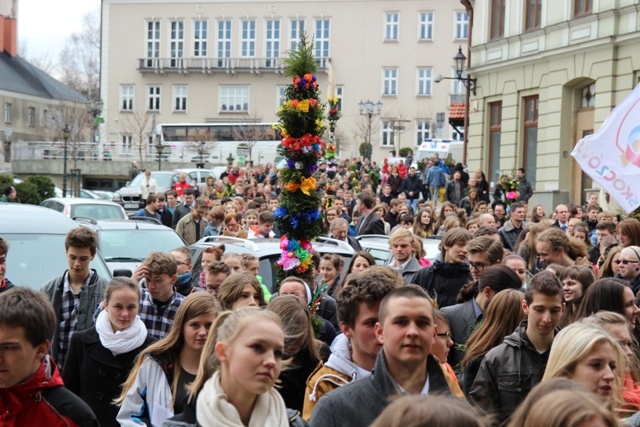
<point>301,60</point>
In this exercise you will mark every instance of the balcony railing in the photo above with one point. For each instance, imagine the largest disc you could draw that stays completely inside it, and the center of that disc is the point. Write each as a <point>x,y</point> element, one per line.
<point>217,65</point>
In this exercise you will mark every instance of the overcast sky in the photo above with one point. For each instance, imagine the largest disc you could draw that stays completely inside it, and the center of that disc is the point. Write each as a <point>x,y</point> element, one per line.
<point>46,24</point>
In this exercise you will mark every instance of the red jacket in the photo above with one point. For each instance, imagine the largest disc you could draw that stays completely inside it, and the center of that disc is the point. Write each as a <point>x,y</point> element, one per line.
<point>44,401</point>
<point>180,187</point>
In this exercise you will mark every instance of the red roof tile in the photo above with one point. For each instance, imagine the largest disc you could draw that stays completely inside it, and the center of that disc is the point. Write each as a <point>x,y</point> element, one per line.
<point>456,110</point>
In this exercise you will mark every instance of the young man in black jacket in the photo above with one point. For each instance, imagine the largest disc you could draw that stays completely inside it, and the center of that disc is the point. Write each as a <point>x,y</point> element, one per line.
<point>519,362</point>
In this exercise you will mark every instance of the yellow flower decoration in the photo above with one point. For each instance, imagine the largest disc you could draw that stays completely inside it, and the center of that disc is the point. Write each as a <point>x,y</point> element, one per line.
<point>304,106</point>
<point>292,186</point>
<point>307,185</point>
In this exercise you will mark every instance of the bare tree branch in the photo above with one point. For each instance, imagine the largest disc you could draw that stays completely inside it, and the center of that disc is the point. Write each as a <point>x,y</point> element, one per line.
<point>250,132</point>
<point>137,125</point>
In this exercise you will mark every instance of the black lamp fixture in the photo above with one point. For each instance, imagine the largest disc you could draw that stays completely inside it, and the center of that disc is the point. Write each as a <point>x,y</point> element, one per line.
<point>460,61</point>
<point>230,159</point>
<point>159,149</point>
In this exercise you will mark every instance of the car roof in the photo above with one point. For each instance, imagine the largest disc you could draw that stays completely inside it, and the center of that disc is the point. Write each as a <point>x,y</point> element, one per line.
<point>33,219</point>
<point>189,170</point>
<point>269,246</point>
<point>80,201</point>
<point>120,224</point>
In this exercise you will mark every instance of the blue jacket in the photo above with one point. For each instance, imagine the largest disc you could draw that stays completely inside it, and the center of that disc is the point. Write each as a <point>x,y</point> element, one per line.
<point>435,177</point>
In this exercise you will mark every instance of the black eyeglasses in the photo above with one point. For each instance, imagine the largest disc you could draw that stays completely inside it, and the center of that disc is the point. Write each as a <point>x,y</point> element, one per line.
<point>445,334</point>
<point>477,265</point>
<point>626,261</point>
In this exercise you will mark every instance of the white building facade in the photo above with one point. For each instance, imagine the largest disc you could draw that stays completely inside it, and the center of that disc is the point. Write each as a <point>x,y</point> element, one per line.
<point>222,61</point>
<point>548,73</point>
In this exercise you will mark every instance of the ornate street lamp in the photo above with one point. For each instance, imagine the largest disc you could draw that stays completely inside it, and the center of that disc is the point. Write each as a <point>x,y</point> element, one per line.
<point>230,159</point>
<point>65,134</point>
<point>159,149</point>
<point>369,109</point>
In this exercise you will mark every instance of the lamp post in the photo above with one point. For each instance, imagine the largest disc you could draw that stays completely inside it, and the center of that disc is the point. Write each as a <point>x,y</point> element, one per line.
<point>460,61</point>
<point>159,149</point>
<point>65,134</point>
<point>230,159</point>
<point>369,109</point>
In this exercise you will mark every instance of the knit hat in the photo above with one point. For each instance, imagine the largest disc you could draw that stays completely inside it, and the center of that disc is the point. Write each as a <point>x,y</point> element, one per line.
<point>8,190</point>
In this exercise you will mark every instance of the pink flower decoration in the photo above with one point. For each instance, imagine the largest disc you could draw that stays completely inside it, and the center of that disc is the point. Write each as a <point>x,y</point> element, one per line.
<point>512,195</point>
<point>284,243</point>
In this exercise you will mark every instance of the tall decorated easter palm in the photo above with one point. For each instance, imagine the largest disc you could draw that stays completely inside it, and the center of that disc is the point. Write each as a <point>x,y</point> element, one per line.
<point>300,124</point>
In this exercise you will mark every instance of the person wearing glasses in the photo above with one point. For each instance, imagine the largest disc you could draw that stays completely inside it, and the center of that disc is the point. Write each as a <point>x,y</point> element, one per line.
<point>629,268</point>
<point>483,252</point>
<point>442,344</point>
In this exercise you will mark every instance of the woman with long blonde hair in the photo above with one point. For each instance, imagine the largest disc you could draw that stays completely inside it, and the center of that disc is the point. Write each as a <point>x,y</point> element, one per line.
<point>155,389</point>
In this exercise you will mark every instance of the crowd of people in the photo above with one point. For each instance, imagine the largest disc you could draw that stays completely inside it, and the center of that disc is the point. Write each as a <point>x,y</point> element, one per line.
<point>520,319</point>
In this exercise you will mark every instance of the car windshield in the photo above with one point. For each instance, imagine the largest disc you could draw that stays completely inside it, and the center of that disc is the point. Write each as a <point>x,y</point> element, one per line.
<point>34,259</point>
<point>97,211</point>
<point>137,244</point>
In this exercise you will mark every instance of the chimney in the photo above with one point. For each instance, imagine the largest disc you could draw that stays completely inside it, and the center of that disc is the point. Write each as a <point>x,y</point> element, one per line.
<point>10,44</point>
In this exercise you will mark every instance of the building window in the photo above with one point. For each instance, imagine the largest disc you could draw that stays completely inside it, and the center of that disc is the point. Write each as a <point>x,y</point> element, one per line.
<point>459,92</point>
<point>589,96</point>
<point>177,44</point>
<point>495,133</point>
<point>32,117</point>
<point>322,36</point>
<point>281,97</point>
<point>339,96</point>
<point>127,94</point>
<point>582,7</point>
<point>425,26</point>
<point>224,43</point>
<point>423,131</point>
<point>497,19</point>
<point>153,103</point>
<point>531,137</point>
<point>153,44</point>
<point>390,81</point>
<point>534,9</point>
<point>248,38</point>
<point>391,23</point>
<point>200,35</point>
<point>387,133</point>
<point>7,112</point>
<point>462,25</point>
<point>297,27</point>
<point>127,143</point>
<point>272,48</point>
<point>234,99</point>
<point>180,98</point>
<point>425,81</point>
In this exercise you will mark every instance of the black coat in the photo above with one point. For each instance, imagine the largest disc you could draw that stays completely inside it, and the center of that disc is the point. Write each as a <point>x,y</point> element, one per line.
<point>94,374</point>
<point>395,182</point>
<point>443,281</point>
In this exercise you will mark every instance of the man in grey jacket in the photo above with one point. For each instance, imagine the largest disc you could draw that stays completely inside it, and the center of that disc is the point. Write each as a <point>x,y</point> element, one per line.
<point>406,330</point>
<point>77,293</point>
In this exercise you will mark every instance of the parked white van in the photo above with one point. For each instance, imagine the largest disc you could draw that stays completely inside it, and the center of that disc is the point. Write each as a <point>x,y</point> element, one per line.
<point>443,147</point>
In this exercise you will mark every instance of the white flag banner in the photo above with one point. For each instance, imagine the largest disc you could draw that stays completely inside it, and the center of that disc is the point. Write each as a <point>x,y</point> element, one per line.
<point>611,156</point>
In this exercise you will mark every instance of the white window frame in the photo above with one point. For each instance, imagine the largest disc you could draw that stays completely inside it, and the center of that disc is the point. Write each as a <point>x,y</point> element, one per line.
<point>154,93</point>
<point>176,43</point>
<point>340,96</point>
<point>423,130</point>
<point>7,112</point>
<point>272,42</point>
<point>180,93</point>
<point>234,99</point>
<point>425,26</point>
<point>390,81</point>
<point>387,133</point>
<point>200,38</point>
<point>280,95</point>
<point>391,26</point>
<point>126,141</point>
<point>153,43</point>
<point>223,46</point>
<point>322,40</point>
<point>298,25</point>
<point>424,81</point>
<point>461,25</point>
<point>127,97</point>
<point>248,38</point>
